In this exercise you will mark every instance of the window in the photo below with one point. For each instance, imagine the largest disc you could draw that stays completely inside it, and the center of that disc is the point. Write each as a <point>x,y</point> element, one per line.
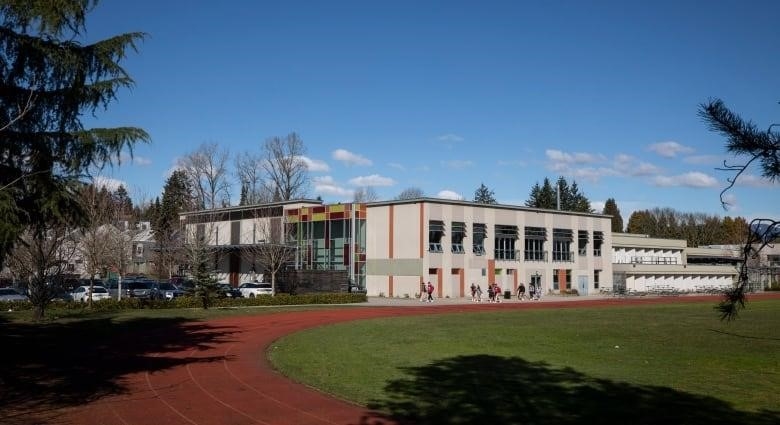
<point>435,233</point>
<point>480,234</point>
<point>139,250</point>
<point>596,274</point>
<point>582,242</point>
<point>562,239</point>
<point>598,240</point>
<point>458,233</point>
<point>534,243</point>
<point>505,242</point>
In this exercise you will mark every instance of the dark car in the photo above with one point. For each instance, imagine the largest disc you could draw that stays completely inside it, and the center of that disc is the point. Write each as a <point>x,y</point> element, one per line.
<point>225,290</point>
<point>169,291</point>
<point>146,289</point>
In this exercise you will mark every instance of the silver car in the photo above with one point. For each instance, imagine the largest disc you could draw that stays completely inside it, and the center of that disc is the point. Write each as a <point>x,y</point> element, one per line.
<point>82,293</point>
<point>253,289</point>
<point>9,294</point>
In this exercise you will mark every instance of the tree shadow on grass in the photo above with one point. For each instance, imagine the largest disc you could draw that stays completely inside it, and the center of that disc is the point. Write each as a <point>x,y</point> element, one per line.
<point>57,365</point>
<point>487,389</point>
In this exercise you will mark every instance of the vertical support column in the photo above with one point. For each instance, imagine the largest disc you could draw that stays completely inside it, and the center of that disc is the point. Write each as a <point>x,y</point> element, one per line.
<point>491,271</point>
<point>440,281</point>
<point>390,286</point>
<point>462,279</point>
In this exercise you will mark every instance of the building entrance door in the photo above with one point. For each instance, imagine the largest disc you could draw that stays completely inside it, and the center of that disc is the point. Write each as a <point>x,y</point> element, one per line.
<point>582,285</point>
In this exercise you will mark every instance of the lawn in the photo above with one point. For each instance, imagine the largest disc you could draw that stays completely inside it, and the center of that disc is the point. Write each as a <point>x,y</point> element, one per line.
<point>675,363</point>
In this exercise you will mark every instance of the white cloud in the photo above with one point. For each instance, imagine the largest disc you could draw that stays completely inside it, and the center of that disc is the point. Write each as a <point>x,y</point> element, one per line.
<point>457,164</point>
<point>669,149</point>
<point>315,165</point>
<point>692,179</point>
<point>135,159</point>
<point>703,159</point>
<point>372,180</point>
<point>397,166</point>
<point>730,202</point>
<point>592,174</point>
<point>350,158</point>
<point>109,183</point>
<point>449,194</point>
<point>628,165</point>
<point>598,206</point>
<point>450,138</point>
<point>325,185</point>
<point>512,162</point>
<point>575,158</point>
<point>324,180</point>
<point>752,180</point>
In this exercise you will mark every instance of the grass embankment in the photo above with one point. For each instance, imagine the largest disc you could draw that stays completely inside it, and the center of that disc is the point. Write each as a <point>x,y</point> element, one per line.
<point>656,361</point>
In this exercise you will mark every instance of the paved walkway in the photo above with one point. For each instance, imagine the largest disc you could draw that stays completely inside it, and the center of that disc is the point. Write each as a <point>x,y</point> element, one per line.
<point>228,380</point>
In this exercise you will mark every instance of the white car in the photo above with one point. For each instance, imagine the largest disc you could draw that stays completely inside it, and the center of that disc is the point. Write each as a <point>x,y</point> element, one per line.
<point>253,289</point>
<point>82,293</point>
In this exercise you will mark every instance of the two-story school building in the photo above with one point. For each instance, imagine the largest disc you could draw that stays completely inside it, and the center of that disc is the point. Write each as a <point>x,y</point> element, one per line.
<point>389,248</point>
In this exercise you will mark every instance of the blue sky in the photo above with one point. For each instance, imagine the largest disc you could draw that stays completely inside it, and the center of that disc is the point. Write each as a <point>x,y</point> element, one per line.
<point>447,95</point>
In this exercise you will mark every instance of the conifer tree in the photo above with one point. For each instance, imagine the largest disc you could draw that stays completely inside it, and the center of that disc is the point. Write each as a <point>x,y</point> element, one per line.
<point>483,195</point>
<point>49,80</point>
<point>611,208</point>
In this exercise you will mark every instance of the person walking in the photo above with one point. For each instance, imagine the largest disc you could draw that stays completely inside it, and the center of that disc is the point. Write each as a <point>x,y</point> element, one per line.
<point>430,292</point>
<point>521,292</point>
<point>490,292</point>
<point>531,292</point>
<point>423,292</point>
<point>497,293</point>
<point>479,293</point>
<point>473,292</point>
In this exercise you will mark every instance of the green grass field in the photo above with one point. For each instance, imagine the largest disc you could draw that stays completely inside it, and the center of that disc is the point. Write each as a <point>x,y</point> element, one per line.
<point>675,363</point>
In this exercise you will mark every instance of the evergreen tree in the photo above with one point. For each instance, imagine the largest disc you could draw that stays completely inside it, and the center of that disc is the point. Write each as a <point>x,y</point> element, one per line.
<point>545,196</point>
<point>483,195</point>
<point>611,208</point>
<point>124,205</point>
<point>641,222</point>
<point>205,282</point>
<point>243,199</point>
<point>49,80</point>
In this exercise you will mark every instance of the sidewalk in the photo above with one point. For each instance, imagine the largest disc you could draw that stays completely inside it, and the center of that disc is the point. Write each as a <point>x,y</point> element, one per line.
<point>407,302</point>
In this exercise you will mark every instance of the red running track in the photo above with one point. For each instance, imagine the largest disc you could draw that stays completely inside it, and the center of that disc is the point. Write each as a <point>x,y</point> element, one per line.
<point>230,381</point>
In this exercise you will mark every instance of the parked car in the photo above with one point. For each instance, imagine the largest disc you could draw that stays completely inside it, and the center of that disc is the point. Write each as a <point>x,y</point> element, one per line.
<point>146,289</point>
<point>10,294</point>
<point>188,286</point>
<point>225,290</point>
<point>169,291</point>
<point>82,293</point>
<point>253,289</point>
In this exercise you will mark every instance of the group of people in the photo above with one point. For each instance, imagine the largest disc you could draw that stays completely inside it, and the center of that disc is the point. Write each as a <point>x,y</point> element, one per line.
<point>426,292</point>
<point>534,292</point>
<point>493,290</point>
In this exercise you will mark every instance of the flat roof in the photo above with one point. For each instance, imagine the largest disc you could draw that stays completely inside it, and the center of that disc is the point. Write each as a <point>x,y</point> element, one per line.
<point>480,205</point>
<point>253,206</point>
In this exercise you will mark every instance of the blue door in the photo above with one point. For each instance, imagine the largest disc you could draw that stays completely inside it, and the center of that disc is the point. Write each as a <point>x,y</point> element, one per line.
<point>582,285</point>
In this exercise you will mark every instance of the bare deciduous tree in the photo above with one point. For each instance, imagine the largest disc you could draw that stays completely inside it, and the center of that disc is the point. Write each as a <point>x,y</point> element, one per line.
<point>250,173</point>
<point>365,194</point>
<point>411,193</point>
<point>286,172</point>
<point>40,258</point>
<point>273,246</point>
<point>206,169</point>
<point>97,243</point>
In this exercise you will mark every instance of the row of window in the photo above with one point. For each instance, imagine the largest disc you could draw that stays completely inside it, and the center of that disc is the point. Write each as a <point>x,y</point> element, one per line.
<point>506,237</point>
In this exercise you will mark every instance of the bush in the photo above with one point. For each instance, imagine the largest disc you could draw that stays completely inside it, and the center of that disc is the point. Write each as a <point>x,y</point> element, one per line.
<point>194,302</point>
